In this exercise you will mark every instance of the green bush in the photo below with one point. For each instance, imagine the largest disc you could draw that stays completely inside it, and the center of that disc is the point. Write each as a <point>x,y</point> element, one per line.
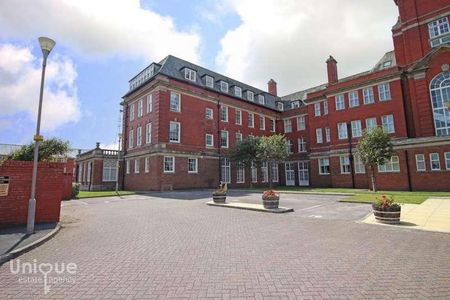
<point>75,190</point>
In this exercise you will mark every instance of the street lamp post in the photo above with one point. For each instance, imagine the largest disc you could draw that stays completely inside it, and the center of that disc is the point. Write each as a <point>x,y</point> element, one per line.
<point>46,46</point>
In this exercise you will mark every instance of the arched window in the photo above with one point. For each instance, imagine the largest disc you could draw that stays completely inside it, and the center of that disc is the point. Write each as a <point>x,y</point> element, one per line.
<point>440,100</point>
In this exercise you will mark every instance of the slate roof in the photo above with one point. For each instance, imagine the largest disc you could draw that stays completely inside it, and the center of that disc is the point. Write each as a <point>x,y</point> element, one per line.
<point>173,67</point>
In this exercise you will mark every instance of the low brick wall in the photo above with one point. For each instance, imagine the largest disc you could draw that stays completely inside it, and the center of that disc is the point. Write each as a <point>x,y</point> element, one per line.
<point>14,206</point>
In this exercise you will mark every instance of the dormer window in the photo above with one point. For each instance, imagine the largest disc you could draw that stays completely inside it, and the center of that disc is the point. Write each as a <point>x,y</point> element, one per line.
<point>190,74</point>
<point>261,99</point>
<point>237,91</point>
<point>387,64</point>
<point>280,106</point>
<point>295,104</point>
<point>223,86</point>
<point>439,32</point>
<point>209,81</point>
<point>250,96</point>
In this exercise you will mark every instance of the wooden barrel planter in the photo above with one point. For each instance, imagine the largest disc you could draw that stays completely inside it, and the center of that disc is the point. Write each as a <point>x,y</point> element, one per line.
<point>219,198</point>
<point>271,202</point>
<point>389,215</point>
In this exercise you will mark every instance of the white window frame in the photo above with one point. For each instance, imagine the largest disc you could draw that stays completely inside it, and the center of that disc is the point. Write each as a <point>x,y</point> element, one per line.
<point>368,96</point>
<point>287,125</point>
<point>274,172</point>
<point>319,136</point>
<point>356,128</point>
<point>317,111</point>
<point>438,160</point>
<point>251,120</point>
<point>147,164</point>
<point>353,99</point>
<point>224,133</point>
<point>132,111</point>
<point>447,160</point>
<point>238,117</point>
<point>301,123</point>
<point>438,31</point>
<point>109,170</point>
<point>224,113</point>
<point>206,140</point>
<point>209,113</point>
<point>172,164</point>
<point>127,166</point>
<point>301,145</point>
<point>325,107</point>
<point>327,135</point>
<point>240,173</point>
<point>175,101</point>
<point>290,147</point>
<point>190,74</point>
<point>149,103</point>
<point>225,168</point>
<point>254,172</point>
<point>272,125</point>
<point>340,102</point>
<point>250,96</point>
<point>178,126</point>
<point>209,81</point>
<point>238,91</point>
<point>358,164</point>
<point>139,136</point>
<point>321,162</point>
<point>388,127</point>
<point>264,172</point>
<point>131,139</point>
<point>280,106</point>
<point>390,165</point>
<point>261,99</point>
<point>262,122</point>
<point>384,92</point>
<point>344,162</point>
<point>420,159</point>
<point>195,170</point>
<point>140,105</point>
<point>224,86</point>
<point>238,136</point>
<point>148,133</point>
<point>342,131</point>
<point>371,125</point>
<point>137,165</point>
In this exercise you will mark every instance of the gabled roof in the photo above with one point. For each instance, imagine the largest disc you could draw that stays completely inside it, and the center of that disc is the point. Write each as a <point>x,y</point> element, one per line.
<point>173,67</point>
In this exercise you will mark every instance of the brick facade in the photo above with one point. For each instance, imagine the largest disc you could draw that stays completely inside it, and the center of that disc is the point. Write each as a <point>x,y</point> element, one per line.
<point>49,192</point>
<point>396,91</point>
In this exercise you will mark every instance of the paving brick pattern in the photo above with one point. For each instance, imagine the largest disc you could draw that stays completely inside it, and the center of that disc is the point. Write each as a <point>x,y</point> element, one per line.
<point>150,247</point>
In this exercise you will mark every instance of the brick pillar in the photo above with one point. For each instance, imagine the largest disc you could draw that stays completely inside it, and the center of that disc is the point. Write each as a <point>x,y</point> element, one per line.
<point>272,87</point>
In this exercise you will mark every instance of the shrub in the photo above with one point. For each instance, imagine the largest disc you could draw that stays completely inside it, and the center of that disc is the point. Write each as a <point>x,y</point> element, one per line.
<point>75,190</point>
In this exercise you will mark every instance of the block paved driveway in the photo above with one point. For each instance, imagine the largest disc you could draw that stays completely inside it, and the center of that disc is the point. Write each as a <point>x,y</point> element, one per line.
<point>154,246</point>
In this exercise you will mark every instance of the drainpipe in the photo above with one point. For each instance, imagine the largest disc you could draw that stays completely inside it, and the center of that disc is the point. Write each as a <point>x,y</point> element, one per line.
<point>218,138</point>
<point>408,173</point>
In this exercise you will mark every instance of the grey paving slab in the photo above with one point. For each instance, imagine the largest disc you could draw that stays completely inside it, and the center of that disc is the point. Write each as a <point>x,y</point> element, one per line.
<point>175,246</point>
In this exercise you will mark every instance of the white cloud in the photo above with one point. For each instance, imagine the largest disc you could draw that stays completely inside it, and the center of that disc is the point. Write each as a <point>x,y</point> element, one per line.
<point>20,77</point>
<point>99,27</point>
<point>289,40</point>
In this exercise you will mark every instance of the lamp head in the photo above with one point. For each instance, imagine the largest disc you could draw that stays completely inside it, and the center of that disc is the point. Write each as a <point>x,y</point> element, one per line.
<point>47,44</point>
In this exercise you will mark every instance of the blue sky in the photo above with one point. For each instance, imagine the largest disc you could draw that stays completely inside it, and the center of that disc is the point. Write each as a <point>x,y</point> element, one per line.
<point>101,44</point>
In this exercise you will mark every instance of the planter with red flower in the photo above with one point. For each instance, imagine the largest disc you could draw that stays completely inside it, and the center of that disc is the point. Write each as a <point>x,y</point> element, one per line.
<point>386,210</point>
<point>220,194</point>
<point>271,199</point>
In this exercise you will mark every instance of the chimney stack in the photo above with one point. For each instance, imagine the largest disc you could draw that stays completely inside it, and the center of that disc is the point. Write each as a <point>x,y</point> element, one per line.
<point>332,70</point>
<point>272,85</point>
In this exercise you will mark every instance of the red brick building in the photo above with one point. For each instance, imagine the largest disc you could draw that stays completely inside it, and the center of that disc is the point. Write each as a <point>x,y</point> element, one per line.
<point>181,120</point>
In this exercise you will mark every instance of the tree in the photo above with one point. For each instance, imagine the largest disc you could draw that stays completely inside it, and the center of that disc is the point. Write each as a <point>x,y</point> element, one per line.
<point>272,149</point>
<point>48,150</point>
<point>246,152</point>
<point>374,148</point>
